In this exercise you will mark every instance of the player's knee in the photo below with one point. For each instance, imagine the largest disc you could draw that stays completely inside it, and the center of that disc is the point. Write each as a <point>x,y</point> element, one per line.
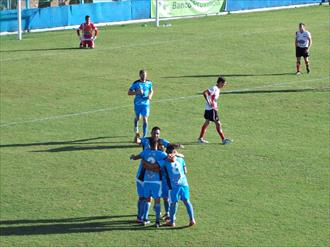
<point>157,200</point>
<point>148,199</point>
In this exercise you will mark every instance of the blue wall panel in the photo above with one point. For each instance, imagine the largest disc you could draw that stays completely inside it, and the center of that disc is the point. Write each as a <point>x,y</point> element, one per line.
<point>110,12</point>
<point>141,9</point>
<point>74,15</point>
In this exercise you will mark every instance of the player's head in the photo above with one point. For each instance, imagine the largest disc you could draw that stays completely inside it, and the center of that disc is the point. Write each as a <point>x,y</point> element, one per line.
<point>87,19</point>
<point>170,149</point>
<point>143,75</point>
<point>301,27</point>
<point>155,133</point>
<point>221,82</point>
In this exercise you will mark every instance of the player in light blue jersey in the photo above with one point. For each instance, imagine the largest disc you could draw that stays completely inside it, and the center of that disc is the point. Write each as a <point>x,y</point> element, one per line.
<point>178,183</point>
<point>155,133</point>
<point>142,90</point>
<point>151,176</point>
<point>140,189</point>
<point>161,145</point>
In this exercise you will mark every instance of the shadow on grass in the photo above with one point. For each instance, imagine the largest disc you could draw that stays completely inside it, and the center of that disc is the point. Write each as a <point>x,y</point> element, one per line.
<point>80,141</point>
<point>293,90</point>
<point>83,148</point>
<point>195,143</point>
<point>227,75</point>
<point>298,90</point>
<point>74,225</point>
<point>44,49</point>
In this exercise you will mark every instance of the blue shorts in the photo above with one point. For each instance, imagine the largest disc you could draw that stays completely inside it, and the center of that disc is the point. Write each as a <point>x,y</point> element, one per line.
<point>164,189</point>
<point>179,192</point>
<point>153,189</point>
<point>142,110</point>
<point>139,188</point>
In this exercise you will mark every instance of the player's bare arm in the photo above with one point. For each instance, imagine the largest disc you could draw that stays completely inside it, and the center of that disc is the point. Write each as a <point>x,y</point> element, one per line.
<point>135,157</point>
<point>206,93</point>
<point>310,43</point>
<point>151,93</point>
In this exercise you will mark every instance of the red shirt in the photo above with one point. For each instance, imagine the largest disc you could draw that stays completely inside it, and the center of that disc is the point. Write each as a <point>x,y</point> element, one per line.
<point>87,29</point>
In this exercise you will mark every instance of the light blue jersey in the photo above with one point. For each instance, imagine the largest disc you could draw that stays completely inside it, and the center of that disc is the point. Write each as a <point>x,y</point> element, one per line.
<point>145,143</point>
<point>152,156</point>
<point>175,171</point>
<point>139,172</point>
<point>146,87</point>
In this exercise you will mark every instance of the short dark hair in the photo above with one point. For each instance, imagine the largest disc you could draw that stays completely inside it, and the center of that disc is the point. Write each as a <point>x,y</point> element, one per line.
<point>87,16</point>
<point>170,149</point>
<point>221,79</point>
<point>301,24</point>
<point>155,128</point>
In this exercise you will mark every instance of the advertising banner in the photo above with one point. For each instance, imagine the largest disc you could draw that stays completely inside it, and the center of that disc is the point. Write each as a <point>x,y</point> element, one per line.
<point>173,8</point>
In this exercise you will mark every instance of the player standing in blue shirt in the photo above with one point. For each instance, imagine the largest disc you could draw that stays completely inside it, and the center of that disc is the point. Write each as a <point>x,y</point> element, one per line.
<point>142,89</point>
<point>179,188</point>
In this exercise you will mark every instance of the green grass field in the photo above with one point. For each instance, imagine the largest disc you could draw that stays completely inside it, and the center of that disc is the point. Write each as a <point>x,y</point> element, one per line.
<point>67,131</point>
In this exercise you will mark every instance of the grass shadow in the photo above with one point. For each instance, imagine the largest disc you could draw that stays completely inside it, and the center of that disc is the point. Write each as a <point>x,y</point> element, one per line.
<point>43,49</point>
<point>79,141</point>
<point>74,225</point>
<point>227,75</point>
<point>84,148</point>
<point>298,90</point>
<point>265,91</point>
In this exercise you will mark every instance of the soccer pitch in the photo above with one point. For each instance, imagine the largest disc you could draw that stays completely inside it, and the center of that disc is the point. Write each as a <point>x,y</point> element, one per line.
<point>67,131</point>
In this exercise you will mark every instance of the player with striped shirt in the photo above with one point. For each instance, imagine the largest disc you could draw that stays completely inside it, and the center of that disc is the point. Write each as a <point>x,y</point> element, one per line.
<point>211,96</point>
<point>303,42</point>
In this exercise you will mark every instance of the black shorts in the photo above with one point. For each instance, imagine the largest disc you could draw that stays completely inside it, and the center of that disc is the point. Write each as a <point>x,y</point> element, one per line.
<point>211,115</point>
<point>301,52</point>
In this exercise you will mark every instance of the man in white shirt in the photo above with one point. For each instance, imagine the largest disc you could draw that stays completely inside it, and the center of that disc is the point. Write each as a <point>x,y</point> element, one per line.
<point>211,111</point>
<point>303,42</point>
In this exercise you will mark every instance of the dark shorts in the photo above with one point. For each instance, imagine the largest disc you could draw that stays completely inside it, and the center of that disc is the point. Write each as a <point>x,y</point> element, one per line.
<point>211,115</point>
<point>301,52</point>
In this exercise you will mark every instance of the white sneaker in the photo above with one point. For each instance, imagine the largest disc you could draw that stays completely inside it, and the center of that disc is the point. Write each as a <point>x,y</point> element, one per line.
<point>202,141</point>
<point>146,222</point>
<point>226,141</point>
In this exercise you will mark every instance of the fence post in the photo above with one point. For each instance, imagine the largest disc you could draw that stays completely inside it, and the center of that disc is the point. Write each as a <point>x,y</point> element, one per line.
<point>19,20</point>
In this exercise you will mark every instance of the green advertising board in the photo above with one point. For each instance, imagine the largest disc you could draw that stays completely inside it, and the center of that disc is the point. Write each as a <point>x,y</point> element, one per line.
<point>173,8</point>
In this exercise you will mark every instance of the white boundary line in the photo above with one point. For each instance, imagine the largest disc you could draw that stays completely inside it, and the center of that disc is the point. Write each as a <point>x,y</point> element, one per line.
<point>156,101</point>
